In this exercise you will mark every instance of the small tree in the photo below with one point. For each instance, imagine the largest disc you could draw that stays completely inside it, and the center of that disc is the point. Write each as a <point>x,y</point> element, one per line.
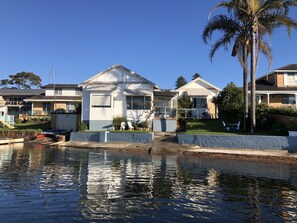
<point>195,76</point>
<point>184,102</point>
<point>230,102</point>
<point>181,81</point>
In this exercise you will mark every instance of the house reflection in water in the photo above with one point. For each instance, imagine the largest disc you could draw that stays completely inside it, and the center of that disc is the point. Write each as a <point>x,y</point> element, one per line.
<point>101,185</point>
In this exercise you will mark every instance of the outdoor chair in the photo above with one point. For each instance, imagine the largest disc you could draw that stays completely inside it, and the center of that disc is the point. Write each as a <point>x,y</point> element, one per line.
<point>237,127</point>
<point>123,125</point>
<point>131,127</point>
<point>226,128</point>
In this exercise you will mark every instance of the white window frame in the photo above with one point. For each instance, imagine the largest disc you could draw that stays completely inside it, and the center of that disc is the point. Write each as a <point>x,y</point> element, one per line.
<point>100,101</point>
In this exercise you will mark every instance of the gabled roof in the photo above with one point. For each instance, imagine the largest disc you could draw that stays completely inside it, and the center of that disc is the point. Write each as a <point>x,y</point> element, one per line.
<point>20,92</point>
<point>50,86</point>
<point>289,67</point>
<point>196,80</point>
<point>118,66</point>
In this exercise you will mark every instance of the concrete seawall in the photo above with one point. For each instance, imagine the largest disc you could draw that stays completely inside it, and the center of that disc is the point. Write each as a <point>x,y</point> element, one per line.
<point>240,141</point>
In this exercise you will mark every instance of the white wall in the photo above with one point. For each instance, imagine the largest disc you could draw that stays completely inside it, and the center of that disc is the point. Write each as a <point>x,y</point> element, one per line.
<point>65,92</point>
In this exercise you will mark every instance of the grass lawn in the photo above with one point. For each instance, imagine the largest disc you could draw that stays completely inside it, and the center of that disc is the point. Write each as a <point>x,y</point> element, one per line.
<point>212,126</point>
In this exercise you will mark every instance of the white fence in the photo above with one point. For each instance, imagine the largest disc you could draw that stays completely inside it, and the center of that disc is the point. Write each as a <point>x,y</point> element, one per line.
<point>7,118</point>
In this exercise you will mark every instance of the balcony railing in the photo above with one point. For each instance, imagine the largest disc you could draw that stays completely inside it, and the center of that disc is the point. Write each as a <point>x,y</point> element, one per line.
<point>197,113</point>
<point>165,112</point>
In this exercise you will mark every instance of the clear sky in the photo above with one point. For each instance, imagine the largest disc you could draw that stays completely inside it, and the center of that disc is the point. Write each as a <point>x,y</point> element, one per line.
<point>158,39</point>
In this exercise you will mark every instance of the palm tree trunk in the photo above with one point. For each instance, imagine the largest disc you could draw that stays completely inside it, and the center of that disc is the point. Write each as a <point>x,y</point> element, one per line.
<point>245,88</point>
<point>253,82</point>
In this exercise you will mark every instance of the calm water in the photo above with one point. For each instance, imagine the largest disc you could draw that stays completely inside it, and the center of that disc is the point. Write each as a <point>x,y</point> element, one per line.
<point>40,184</point>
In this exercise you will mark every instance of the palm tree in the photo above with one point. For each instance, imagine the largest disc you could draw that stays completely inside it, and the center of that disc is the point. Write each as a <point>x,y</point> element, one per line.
<point>263,16</point>
<point>260,17</point>
<point>236,31</point>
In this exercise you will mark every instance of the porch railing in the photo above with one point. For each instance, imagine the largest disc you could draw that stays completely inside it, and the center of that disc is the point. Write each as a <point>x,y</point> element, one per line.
<point>198,113</point>
<point>165,112</point>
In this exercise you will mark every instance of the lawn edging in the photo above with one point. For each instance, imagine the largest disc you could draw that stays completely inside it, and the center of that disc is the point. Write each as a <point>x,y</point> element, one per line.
<point>257,142</point>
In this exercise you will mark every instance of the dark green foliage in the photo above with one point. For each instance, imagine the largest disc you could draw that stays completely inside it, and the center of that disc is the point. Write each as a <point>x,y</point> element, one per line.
<point>22,80</point>
<point>230,103</point>
<point>195,76</point>
<point>18,120</point>
<point>181,125</point>
<point>116,122</point>
<point>78,107</point>
<point>185,102</point>
<point>181,81</point>
<point>82,126</point>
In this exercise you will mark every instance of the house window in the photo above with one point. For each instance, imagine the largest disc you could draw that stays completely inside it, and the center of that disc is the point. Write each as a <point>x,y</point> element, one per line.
<point>77,92</point>
<point>288,99</point>
<point>58,91</point>
<point>101,101</point>
<point>46,107</point>
<point>200,102</point>
<point>138,102</point>
<point>70,106</point>
<point>292,79</point>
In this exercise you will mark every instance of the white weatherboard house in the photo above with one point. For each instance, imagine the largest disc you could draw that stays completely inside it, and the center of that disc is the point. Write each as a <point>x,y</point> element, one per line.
<point>115,92</point>
<point>201,93</point>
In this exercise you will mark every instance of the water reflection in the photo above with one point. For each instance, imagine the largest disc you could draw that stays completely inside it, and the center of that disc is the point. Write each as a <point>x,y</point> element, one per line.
<point>38,183</point>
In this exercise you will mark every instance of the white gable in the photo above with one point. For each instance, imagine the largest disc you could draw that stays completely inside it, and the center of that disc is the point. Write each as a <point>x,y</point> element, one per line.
<point>117,74</point>
<point>199,87</point>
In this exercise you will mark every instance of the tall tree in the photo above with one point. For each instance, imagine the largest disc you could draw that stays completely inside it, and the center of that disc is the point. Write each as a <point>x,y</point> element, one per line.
<point>235,32</point>
<point>195,76</point>
<point>181,81</point>
<point>263,17</point>
<point>22,80</point>
<point>258,17</point>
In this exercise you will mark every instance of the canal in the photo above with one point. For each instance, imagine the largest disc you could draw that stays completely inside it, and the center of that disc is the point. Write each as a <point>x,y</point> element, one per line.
<point>42,184</point>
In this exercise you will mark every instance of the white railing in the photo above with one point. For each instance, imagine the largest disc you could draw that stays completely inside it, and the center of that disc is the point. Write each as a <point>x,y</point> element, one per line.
<point>198,113</point>
<point>165,112</point>
<point>7,118</point>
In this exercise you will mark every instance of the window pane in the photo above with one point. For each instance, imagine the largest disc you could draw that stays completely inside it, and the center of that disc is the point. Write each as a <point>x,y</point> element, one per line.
<point>148,102</point>
<point>101,100</point>
<point>70,106</point>
<point>129,102</point>
<point>138,102</point>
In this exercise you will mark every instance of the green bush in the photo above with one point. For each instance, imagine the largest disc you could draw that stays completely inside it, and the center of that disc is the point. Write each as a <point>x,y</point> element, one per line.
<point>18,120</point>
<point>116,122</point>
<point>82,126</point>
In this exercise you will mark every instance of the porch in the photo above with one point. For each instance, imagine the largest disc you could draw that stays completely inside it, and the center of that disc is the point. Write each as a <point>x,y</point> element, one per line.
<point>278,99</point>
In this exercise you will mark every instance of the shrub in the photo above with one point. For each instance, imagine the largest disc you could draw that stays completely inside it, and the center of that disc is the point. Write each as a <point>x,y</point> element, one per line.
<point>18,120</point>
<point>82,126</point>
<point>182,125</point>
<point>116,122</point>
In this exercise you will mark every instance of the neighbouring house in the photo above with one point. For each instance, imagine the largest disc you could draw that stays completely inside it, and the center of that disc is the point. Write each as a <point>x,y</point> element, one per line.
<point>12,101</point>
<point>116,92</point>
<point>56,97</point>
<point>201,94</point>
<point>278,88</point>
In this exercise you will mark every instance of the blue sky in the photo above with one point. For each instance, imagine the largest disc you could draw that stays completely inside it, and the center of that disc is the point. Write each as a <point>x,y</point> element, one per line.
<point>158,39</point>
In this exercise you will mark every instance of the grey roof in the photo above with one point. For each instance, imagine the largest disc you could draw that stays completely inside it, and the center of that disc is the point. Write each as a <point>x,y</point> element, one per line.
<point>20,92</point>
<point>274,88</point>
<point>288,67</point>
<point>60,86</point>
